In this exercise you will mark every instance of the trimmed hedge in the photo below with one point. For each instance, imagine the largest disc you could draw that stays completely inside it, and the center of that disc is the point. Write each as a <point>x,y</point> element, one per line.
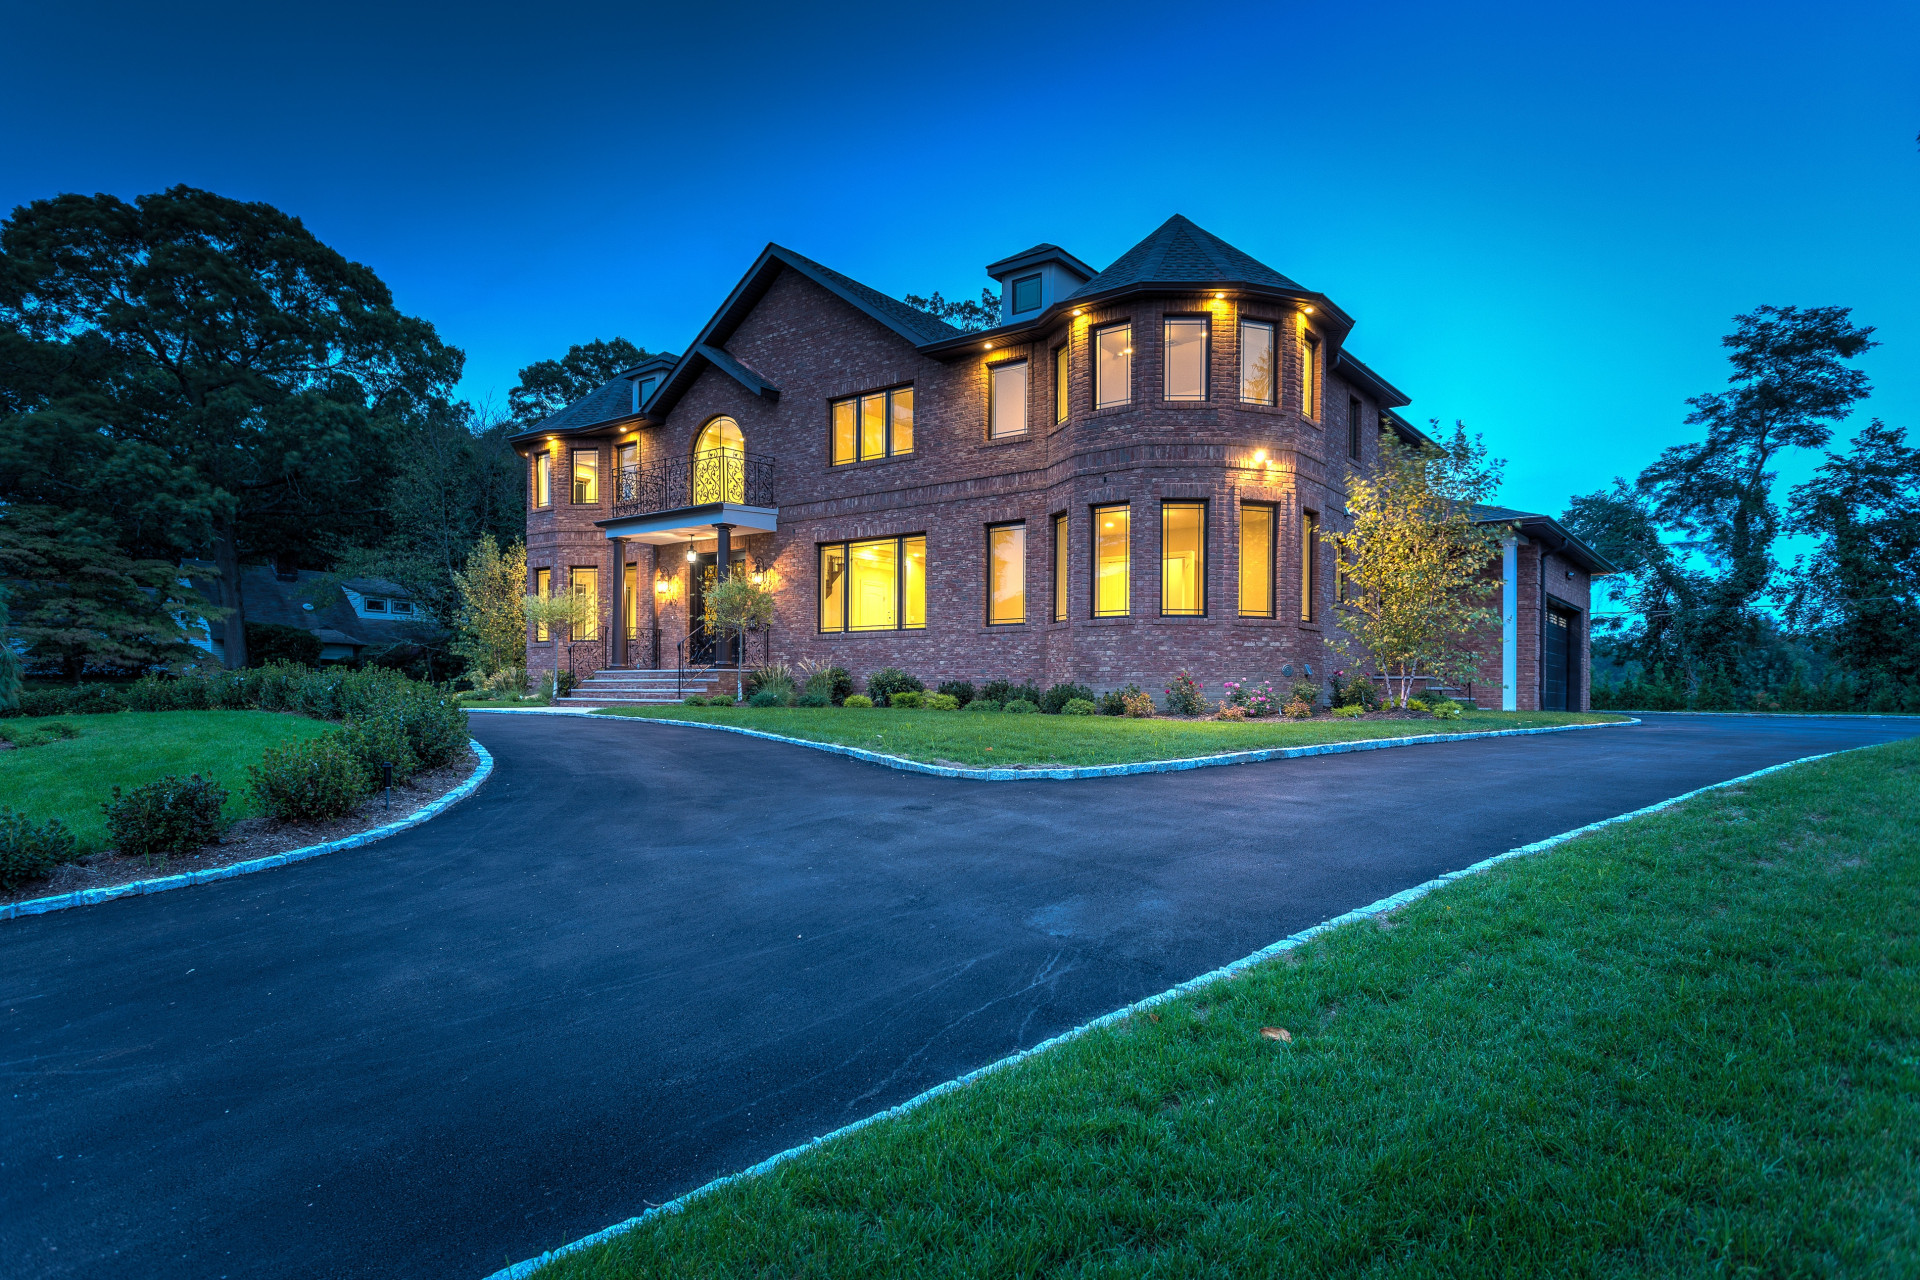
<point>169,815</point>
<point>29,850</point>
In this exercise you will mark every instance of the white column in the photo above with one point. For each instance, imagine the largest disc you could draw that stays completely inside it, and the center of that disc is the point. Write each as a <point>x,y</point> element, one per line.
<point>1509,624</point>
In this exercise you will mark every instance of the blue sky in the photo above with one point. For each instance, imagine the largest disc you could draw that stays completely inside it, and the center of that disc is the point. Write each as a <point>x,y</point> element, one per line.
<point>1542,216</point>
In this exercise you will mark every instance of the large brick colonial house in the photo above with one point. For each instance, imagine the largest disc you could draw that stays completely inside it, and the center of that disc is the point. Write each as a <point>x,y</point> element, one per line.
<point>1121,480</point>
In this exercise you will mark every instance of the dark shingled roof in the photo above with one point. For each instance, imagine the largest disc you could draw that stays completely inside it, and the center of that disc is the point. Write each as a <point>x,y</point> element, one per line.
<point>603,404</point>
<point>1535,524</point>
<point>1181,253</point>
<point>924,325</point>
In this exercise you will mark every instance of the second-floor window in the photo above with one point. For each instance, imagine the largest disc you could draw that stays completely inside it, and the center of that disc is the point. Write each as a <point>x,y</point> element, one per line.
<point>1113,366</point>
<point>1185,362</point>
<point>586,475</point>
<point>1007,410</point>
<point>1257,380</point>
<point>1060,382</point>
<point>1026,294</point>
<point>876,425</point>
<point>542,480</point>
<point>1353,427</point>
<point>1309,373</point>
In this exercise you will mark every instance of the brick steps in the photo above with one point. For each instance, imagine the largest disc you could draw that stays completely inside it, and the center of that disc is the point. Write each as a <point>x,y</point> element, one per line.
<point>618,688</point>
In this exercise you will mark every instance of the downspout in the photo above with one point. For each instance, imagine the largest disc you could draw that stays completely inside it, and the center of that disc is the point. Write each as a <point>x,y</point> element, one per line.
<point>1509,624</point>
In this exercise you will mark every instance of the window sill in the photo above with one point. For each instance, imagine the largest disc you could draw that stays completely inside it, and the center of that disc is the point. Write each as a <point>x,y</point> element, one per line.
<point>1002,441</point>
<point>861,464</point>
<point>1179,619</point>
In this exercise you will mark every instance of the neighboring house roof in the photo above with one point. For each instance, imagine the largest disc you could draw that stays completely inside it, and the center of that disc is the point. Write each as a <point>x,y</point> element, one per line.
<point>1546,529</point>
<point>273,600</point>
<point>1181,253</point>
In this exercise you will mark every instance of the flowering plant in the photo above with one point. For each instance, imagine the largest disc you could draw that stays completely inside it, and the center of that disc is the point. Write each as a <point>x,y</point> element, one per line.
<point>1256,699</point>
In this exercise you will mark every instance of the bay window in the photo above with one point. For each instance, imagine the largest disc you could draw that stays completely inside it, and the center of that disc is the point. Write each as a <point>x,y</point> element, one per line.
<point>542,480</point>
<point>1007,407</point>
<point>1183,559</point>
<point>1257,380</point>
<point>1113,366</point>
<point>583,582</point>
<point>586,476</point>
<point>1112,569</point>
<point>1309,561</point>
<point>1184,360</point>
<point>1257,523</point>
<point>1006,574</point>
<point>542,589</point>
<point>1060,550</point>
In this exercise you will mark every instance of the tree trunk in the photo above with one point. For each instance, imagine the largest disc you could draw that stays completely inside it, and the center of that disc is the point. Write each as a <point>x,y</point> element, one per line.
<point>226,555</point>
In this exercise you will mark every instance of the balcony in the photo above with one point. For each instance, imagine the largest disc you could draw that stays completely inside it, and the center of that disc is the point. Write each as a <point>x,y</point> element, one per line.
<point>708,479</point>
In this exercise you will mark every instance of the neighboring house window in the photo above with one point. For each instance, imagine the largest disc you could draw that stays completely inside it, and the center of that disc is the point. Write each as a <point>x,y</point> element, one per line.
<point>543,589</point>
<point>1026,294</point>
<point>1257,524</point>
<point>1184,365</point>
<point>876,585</point>
<point>1309,373</point>
<point>1353,427</point>
<point>542,480</point>
<point>1256,362</point>
<point>1309,561</point>
<point>403,606</point>
<point>1060,550</point>
<point>1111,581</point>
<point>1183,559</point>
<point>586,476</point>
<point>1060,383</point>
<point>584,582</point>
<point>1007,414</point>
<point>376,606</point>
<point>1113,366</point>
<point>1006,574</point>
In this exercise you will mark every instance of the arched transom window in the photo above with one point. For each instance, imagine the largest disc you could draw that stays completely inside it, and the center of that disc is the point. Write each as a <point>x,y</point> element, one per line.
<point>720,463</point>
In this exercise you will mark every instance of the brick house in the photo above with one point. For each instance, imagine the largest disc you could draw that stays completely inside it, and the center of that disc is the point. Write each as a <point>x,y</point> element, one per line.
<point>1121,480</point>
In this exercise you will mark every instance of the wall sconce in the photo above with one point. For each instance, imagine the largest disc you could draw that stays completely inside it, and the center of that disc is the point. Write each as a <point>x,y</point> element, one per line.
<point>1259,456</point>
<point>692,555</point>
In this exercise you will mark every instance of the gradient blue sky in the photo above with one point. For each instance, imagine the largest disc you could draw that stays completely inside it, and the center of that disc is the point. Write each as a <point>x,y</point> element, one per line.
<point>1543,216</point>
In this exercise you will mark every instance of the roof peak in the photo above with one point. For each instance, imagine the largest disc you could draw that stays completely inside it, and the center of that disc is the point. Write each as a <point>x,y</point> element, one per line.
<point>1181,252</point>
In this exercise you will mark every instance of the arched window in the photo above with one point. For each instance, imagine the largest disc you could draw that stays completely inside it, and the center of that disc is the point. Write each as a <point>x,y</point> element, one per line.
<point>720,463</point>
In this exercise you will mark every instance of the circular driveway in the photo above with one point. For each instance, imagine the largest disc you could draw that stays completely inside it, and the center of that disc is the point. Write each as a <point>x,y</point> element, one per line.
<point>644,956</point>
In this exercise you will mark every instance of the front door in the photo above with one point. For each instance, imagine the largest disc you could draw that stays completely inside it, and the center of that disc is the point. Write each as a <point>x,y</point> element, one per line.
<point>1556,662</point>
<point>703,647</point>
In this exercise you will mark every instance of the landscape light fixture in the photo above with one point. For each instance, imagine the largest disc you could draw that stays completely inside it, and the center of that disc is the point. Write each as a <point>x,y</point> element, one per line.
<point>386,770</point>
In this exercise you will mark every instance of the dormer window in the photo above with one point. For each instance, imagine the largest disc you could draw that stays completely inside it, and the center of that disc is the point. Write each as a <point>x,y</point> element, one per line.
<point>1026,293</point>
<point>376,605</point>
<point>402,606</point>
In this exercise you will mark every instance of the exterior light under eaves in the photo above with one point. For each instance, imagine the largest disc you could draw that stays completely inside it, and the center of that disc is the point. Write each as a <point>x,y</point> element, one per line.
<point>692,555</point>
<point>987,345</point>
<point>1306,311</point>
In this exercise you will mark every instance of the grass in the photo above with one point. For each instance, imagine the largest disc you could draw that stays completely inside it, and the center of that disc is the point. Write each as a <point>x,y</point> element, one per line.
<point>68,779</point>
<point>962,737</point>
<point>1685,1046</point>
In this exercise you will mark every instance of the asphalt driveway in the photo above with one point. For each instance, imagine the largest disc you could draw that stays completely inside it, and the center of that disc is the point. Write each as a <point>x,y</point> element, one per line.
<point>644,956</point>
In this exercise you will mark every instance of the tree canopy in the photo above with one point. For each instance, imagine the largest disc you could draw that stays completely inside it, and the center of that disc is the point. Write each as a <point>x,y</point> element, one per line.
<point>548,386</point>
<point>970,316</point>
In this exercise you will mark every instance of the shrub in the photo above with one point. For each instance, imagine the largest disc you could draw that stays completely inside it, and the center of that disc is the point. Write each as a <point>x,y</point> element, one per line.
<point>1137,705</point>
<point>379,740</point>
<point>721,700</point>
<point>70,700</point>
<point>1079,707</point>
<point>1114,701</point>
<point>834,682</point>
<point>1445,709</point>
<point>1254,699</point>
<point>1349,710</point>
<point>857,701</point>
<point>813,698</point>
<point>1355,691</point>
<point>1305,691</point>
<point>908,700</point>
<point>777,676</point>
<point>884,683</point>
<point>983,705</point>
<point>313,781</point>
<point>29,850</point>
<point>39,735</point>
<point>1299,709</point>
<point>1416,704</point>
<point>169,815</point>
<point>998,692</point>
<point>942,702</point>
<point>768,698</point>
<point>564,683</point>
<point>1028,692</point>
<point>694,700</point>
<point>1021,707</point>
<point>1055,700</point>
<point>1231,713</point>
<point>1184,697</point>
<point>961,691</point>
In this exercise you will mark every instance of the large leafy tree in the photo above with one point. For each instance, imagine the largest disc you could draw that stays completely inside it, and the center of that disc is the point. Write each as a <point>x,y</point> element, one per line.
<point>548,386</point>
<point>1696,530</point>
<point>970,316</point>
<point>1413,560</point>
<point>207,374</point>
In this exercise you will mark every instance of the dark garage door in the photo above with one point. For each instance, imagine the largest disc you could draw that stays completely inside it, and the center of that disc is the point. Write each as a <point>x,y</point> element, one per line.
<point>1556,657</point>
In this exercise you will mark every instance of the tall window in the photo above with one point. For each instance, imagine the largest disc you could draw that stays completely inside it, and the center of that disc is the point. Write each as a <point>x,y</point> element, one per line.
<point>876,585</point>
<point>583,581</point>
<point>1353,426</point>
<point>630,599</point>
<point>1113,366</point>
<point>1183,559</point>
<point>720,463</point>
<point>1309,561</point>
<point>1060,382</point>
<point>1007,412</point>
<point>586,476</point>
<point>1185,361</point>
<point>542,479</point>
<point>1026,294</point>
<point>626,458</point>
<point>1006,574</point>
<point>876,425</point>
<point>1256,559</point>
<point>1111,570</point>
<point>1060,567</point>
<point>1309,373</point>
<point>1257,381</point>
<point>543,588</point>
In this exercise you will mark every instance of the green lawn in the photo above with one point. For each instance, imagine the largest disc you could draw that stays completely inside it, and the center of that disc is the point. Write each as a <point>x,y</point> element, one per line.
<point>962,737</point>
<point>1686,1046</point>
<point>69,779</point>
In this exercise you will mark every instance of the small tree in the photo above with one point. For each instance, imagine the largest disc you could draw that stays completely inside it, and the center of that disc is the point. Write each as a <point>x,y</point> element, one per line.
<point>739,604</point>
<point>1413,561</point>
<point>490,620</point>
<point>576,611</point>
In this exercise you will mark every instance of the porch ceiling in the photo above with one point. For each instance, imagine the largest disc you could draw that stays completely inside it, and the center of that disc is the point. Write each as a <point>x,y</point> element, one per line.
<point>688,524</point>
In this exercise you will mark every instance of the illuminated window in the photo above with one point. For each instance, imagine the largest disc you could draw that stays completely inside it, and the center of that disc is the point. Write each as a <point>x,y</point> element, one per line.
<point>584,582</point>
<point>1256,362</point>
<point>1026,294</point>
<point>630,599</point>
<point>543,588</point>
<point>1185,360</point>
<point>1060,567</point>
<point>1353,427</point>
<point>542,479</point>
<point>626,457</point>
<point>1183,559</point>
<point>1309,561</point>
<point>586,476</point>
<point>1309,373</point>
<point>1006,574</point>
<point>1257,522</point>
<point>720,463</point>
<point>1111,583</point>
<point>1113,366</point>
<point>876,585</point>
<point>1060,384</point>
<point>1007,413</point>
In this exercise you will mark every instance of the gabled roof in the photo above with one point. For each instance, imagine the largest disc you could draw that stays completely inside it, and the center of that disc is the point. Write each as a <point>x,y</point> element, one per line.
<point>1547,530</point>
<point>1181,253</point>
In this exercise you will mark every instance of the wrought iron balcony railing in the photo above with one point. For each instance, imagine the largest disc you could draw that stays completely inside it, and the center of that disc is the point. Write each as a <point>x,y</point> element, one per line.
<point>719,476</point>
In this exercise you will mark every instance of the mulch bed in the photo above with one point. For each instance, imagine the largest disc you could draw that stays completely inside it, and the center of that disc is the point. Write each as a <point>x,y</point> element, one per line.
<point>249,838</point>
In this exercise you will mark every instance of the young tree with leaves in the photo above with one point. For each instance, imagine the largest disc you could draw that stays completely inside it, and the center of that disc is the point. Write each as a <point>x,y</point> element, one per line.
<point>1414,561</point>
<point>490,627</point>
